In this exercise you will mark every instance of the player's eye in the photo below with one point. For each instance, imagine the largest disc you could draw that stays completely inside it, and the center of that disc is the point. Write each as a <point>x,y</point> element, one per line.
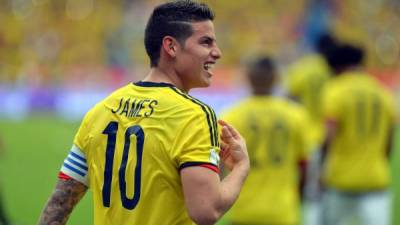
<point>206,42</point>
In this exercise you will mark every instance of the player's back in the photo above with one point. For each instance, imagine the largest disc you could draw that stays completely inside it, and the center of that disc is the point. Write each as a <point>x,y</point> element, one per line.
<point>306,79</point>
<point>364,113</point>
<point>135,142</point>
<point>275,132</point>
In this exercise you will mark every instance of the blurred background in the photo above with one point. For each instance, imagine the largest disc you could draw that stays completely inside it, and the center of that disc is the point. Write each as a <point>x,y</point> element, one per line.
<point>58,58</point>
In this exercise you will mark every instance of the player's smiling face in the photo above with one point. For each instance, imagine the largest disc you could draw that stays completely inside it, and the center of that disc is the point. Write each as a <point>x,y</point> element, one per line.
<point>197,57</point>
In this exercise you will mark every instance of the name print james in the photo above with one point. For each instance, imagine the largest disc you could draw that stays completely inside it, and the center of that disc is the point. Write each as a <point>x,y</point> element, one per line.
<point>138,107</point>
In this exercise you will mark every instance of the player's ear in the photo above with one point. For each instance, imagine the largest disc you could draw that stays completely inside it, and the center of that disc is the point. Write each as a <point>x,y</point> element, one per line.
<point>170,46</point>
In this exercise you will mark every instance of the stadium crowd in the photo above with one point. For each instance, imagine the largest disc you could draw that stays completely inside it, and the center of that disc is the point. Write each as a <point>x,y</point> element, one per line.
<point>46,42</point>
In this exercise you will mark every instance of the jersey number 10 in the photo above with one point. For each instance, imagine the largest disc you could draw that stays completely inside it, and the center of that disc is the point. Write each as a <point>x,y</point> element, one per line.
<point>111,130</point>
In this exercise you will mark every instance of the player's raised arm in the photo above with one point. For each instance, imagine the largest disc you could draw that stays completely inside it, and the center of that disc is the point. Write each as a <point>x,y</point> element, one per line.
<point>66,195</point>
<point>207,198</point>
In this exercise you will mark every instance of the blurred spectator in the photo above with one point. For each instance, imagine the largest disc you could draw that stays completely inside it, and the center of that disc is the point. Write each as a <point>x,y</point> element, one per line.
<point>360,118</point>
<point>62,35</point>
<point>97,44</point>
<point>367,22</point>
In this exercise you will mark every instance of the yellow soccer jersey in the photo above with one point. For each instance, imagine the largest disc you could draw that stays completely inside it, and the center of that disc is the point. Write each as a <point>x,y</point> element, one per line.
<point>134,143</point>
<point>275,131</point>
<point>363,111</point>
<point>306,79</point>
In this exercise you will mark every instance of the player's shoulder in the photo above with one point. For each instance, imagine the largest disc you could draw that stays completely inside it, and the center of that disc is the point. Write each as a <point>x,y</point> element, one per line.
<point>387,96</point>
<point>297,113</point>
<point>186,103</point>
<point>380,88</point>
<point>239,105</point>
<point>367,82</point>
<point>235,112</point>
<point>285,106</point>
<point>333,86</point>
<point>294,107</point>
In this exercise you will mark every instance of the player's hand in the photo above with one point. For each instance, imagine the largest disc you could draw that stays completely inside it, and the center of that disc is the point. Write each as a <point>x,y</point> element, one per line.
<point>233,148</point>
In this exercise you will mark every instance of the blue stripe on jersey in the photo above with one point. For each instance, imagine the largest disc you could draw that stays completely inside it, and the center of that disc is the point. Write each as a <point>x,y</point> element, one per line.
<point>214,118</point>
<point>77,164</point>
<point>77,156</point>
<point>74,170</point>
<point>208,116</point>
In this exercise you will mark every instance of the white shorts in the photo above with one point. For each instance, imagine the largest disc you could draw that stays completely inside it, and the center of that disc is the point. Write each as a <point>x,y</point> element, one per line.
<point>312,194</point>
<point>368,208</point>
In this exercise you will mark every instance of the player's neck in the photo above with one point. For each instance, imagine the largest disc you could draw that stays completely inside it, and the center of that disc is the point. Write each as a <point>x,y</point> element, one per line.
<point>159,75</point>
<point>350,69</point>
<point>262,91</point>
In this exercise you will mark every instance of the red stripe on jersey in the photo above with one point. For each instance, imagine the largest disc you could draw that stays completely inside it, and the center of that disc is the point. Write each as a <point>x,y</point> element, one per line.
<point>64,176</point>
<point>211,167</point>
<point>302,163</point>
<point>330,122</point>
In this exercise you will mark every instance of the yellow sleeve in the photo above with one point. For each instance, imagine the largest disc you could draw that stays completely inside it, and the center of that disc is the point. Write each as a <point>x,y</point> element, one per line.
<point>307,140</point>
<point>391,107</point>
<point>83,135</point>
<point>292,82</point>
<point>331,103</point>
<point>198,141</point>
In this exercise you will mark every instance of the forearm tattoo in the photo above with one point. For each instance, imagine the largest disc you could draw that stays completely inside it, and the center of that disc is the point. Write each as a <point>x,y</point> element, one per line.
<point>64,198</point>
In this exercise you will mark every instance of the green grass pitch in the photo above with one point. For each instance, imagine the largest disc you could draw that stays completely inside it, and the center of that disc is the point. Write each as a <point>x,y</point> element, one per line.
<point>34,151</point>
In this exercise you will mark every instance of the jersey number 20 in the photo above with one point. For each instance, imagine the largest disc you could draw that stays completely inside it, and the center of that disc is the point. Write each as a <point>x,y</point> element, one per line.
<point>111,130</point>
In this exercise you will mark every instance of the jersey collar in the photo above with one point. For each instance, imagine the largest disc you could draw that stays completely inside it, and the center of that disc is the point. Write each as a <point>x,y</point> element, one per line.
<point>152,84</point>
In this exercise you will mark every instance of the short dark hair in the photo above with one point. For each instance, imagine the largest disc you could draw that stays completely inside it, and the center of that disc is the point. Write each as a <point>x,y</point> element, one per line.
<point>262,73</point>
<point>263,65</point>
<point>345,56</point>
<point>173,19</point>
<point>325,43</point>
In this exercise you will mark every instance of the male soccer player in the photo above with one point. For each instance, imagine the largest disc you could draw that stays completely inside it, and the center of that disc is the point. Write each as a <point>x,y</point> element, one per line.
<point>306,79</point>
<point>276,133</point>
<point>149,152</point>
<point>360,118</point>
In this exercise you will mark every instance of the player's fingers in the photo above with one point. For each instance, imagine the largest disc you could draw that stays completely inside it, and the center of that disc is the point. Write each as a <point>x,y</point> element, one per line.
<point>223,154</point>
<point>223,145</point>
<point>226,135</point>
<point>235,134</point>
<point>222,122</point>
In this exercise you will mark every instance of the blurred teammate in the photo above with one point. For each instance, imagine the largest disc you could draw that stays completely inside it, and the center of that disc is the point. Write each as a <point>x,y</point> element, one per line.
<point>360,118</point>
<point>150,151</point>
<point>275,130</point>
<point>306,79</point>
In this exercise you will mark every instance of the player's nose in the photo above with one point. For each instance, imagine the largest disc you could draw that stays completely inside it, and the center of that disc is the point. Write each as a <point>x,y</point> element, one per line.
<point>216,52</point>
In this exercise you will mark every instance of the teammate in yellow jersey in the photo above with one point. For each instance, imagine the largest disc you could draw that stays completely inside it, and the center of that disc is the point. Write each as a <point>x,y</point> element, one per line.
<point>360,116</point>
<point>306,79</point>
<point>150,152</point>
<point>305,82</point>
<point>276,133</point>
